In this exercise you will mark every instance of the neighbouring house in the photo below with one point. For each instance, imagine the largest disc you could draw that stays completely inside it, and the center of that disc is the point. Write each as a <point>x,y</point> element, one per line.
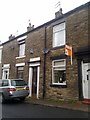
<point>0,61</point>
<point>41,58</point>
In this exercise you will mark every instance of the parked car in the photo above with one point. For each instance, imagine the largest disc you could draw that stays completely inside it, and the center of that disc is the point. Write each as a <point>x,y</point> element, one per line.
<point>13,89</point>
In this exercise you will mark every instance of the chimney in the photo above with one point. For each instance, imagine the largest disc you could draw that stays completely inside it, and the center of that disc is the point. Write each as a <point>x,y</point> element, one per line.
<point>30,27</point>
<point>11,37</point>
<point>59,13</point>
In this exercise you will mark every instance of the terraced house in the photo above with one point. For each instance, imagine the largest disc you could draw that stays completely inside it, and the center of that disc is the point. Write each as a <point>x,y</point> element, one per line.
<point>41,58</point>
<point>0,61</point>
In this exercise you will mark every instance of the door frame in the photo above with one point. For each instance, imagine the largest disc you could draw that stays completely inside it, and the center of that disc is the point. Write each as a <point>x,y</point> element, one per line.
<point>83,80</point>
<point>31,65</point>
<point>5,67</point>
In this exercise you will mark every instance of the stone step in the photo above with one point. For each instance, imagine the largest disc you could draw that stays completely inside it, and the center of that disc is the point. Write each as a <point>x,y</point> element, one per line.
<point>85,101</point>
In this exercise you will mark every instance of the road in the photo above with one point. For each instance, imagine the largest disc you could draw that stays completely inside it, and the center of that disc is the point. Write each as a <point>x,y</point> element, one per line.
<point>16,109</point>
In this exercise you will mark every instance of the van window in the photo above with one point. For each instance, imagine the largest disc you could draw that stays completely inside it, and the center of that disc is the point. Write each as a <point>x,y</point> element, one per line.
<point>5,83</point>
<point>0,83</point>
<point>18,82</point>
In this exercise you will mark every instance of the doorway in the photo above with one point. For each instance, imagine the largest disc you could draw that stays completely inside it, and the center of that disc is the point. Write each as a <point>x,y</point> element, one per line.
<point>5,69</point>
<point>5,74</point>
<point>34,71</point>
<point>34,81</point>
<point>86,80</point>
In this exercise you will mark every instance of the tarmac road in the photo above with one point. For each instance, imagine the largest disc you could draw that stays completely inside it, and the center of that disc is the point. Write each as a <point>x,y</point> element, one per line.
<point>16,109</point>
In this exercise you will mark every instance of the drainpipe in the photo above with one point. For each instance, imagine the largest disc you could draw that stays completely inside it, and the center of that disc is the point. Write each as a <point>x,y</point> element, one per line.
<point>44,72</point>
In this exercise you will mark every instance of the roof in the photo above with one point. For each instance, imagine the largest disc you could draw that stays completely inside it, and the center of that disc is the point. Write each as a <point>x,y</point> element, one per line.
<point>86,5</point>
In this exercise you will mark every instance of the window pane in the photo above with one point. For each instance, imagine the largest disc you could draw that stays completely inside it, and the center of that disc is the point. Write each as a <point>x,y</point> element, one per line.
<point>0,55</point>
<point>59,38</point>
<point>58,63</point>
<point>22,50</point>
<point>59,35</point>
<point>18,82</point>
<point>20,74</point>
<point>59,76</point>
<point>0,83</point>
<point>59,72</point>
<point>59,27</point>
<point>20,68</point>
<point>20,71</point>
<point>5,83</point>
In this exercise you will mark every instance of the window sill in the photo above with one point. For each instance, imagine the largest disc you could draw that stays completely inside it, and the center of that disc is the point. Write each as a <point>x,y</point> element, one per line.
<point>20,57</point>
<point>58,85</point>
<point>57,47</point>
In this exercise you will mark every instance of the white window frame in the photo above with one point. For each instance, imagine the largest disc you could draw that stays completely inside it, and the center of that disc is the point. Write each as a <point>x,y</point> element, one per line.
<point>5,68</point>
<point>22,49</point>
<point>61,68</point>
<point>1,54</point>
<point>57,30</point>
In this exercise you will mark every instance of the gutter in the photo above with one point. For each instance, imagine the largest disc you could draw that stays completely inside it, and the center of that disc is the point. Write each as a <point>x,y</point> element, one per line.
<point>44,72</point>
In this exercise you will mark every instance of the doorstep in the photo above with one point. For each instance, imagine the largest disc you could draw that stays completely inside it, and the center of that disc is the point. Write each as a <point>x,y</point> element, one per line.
<point>85,101</point>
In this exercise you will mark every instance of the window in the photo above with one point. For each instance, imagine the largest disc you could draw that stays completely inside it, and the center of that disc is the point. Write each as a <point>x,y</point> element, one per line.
<point>18,82</point>
<point>5,83</point>
<point>20,71</point>
<point>21,49</point>
<point>59,72</point>
<point>0,83</point>
<point>0,55</point>
<point>59,35</point>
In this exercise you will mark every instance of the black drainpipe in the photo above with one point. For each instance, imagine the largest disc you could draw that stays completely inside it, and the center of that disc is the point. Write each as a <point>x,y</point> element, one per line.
<point>44,72</point>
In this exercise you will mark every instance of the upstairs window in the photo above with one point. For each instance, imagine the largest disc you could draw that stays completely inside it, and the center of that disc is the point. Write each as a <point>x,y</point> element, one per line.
<point>59,35</point>
<point>0,54</point>
<point>21,48</point>
<point>59,72</point>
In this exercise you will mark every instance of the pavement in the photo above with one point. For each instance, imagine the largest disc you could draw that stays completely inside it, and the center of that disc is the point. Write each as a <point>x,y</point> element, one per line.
<point>65,105</point>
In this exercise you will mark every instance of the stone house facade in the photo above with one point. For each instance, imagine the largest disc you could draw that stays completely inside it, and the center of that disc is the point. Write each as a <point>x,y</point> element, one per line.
<point>0,61</point>
<point>38,56</point>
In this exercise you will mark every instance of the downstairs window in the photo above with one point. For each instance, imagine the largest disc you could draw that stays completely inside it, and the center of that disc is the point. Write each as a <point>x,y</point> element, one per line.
<point>59,72</point>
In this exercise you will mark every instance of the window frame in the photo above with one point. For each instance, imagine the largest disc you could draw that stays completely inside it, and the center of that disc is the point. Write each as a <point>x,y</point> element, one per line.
<point>60,66</point>
<point>20,51</point>
<point>20,71</point>
<point>0,55</point>
<point>59,31</point>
